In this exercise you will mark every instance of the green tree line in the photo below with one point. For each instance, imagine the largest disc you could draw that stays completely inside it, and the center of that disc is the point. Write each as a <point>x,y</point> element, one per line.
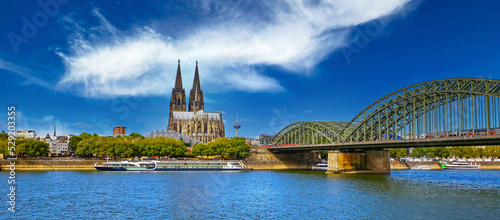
<point>235,147</point>
<point>86,145</point>
<point>28,147</point>
<point>446,152</point>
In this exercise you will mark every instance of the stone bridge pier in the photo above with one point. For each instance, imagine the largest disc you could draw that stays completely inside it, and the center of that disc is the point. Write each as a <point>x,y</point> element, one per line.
<point>368,161</point>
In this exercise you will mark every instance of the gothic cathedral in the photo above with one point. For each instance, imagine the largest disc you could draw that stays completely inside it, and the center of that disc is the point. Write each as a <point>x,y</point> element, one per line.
<point>194,123</point>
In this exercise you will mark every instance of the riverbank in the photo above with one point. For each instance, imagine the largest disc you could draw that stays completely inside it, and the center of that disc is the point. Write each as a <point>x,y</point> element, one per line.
<point>88,165</point>
<point>484,165</point>
<point>45,165</point>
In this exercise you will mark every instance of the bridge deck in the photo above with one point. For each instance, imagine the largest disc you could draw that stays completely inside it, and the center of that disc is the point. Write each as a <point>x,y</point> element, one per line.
<point>428,142</point>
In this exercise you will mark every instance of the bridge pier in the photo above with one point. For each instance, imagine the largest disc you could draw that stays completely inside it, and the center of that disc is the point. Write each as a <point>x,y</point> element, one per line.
<point>368,161</point>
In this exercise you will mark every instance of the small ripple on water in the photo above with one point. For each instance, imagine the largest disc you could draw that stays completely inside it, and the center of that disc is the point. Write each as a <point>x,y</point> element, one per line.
<point>257,195</point>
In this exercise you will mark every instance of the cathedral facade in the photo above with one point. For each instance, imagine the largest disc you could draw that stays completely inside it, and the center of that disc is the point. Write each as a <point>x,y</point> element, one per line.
<point>195,122</point>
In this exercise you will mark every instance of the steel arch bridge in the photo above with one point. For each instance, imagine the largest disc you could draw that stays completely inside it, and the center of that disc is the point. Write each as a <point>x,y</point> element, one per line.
<point>440,108</point>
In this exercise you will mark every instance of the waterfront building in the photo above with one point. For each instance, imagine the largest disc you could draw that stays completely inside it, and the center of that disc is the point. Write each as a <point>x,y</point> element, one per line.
<point>252,141</point>
<point>265,139</point>
<point>26,134</point>
<point>60,145</point>
<point>119,131</point>
<point>57,144</point>
<point>172,134</point>
<point>195,122</point>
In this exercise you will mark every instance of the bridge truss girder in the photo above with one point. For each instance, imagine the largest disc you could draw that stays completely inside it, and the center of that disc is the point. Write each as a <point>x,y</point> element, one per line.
<point>309,132</point>
<point>448,105</point>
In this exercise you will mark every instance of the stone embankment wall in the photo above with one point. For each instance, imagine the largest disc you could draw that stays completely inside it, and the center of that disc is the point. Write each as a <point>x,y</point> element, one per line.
<point>396,165</point>
<point>261,159</point>
<point>51,164</point>
<point>485,165</point>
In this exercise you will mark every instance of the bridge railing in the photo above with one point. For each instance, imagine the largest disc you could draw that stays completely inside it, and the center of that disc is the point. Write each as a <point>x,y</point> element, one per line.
<point>421,140</point>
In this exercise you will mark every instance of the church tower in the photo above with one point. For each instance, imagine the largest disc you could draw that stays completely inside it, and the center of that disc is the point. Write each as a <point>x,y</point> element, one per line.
<point>194,123</point>
<point>178,100</point>
<point>196,96</point>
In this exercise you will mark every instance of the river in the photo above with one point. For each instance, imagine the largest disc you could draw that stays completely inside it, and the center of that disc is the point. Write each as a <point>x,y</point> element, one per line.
<point>406,194</point>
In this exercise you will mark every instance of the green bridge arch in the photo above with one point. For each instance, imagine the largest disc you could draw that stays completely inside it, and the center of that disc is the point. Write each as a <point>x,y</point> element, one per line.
<point>444,107</point>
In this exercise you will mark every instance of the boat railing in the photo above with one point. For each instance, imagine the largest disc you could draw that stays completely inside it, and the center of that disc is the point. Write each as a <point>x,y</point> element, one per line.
<point>242,164</point>
<point>408,164</point>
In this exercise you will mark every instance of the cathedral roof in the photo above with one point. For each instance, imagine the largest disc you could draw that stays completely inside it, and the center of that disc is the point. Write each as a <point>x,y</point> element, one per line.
<point>190,115</point>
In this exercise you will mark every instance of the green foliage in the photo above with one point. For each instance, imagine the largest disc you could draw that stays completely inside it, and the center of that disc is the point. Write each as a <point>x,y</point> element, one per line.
<point>76,139</point>
<point>227,147</point>
<point>397,152</point>
<point>323,154</point>
<point>431,152</point>
<point>73,141</point>
<point>136,135</point>
<point>127,146</point>
<point>29,147</point>
<point>458,152</point>
<point>4,147</point>
<point>4,136</point>
<point>85,135</point>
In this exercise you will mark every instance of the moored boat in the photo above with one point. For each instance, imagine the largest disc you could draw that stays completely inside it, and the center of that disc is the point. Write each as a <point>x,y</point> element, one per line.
<point>321,166</point>
<point>460,166</point>
<point>420,167</point>
<point>173,165</point>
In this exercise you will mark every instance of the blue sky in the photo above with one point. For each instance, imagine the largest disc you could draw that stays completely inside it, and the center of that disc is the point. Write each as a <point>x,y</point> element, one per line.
<point>91,65</point>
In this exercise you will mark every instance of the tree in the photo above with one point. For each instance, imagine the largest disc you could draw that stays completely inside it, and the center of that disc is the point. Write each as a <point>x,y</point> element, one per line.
<point>31,147</point>
<point>136,135</point>
<point>85,135</point>
<point>127,146</point>
<point>226,147</point>
<point>397,152</point>
<point>85,147</point>
<point>4,136</point>
<point>73,141</point>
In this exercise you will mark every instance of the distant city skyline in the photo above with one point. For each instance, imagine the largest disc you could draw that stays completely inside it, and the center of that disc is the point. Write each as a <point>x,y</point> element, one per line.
<point>88,67</point>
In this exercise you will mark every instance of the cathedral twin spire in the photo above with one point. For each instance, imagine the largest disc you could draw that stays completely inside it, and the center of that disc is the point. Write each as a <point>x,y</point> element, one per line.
<point>204,126</point>
<point>178,78</point>
<point>178,102</point>
<point>196,96</point>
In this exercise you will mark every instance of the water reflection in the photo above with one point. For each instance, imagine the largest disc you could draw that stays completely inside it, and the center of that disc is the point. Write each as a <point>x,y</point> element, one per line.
<point>258,194</point>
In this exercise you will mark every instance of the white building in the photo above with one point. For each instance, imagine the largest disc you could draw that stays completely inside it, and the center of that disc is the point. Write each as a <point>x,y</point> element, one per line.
<point>26,134</point>
<point>57,144</point>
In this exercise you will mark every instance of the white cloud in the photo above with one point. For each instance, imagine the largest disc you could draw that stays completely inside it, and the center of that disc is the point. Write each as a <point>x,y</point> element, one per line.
<point>45,125</point>
<point>308,112</point>
<point>294,35</point>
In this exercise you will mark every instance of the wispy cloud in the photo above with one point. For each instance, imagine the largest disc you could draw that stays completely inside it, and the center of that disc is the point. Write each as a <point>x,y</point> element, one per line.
<point>45,125</point>
<point>25,73</point>
<point>293,35</point>
<point>82,125</point>
<point>308,111</point>
<point>246,120</point>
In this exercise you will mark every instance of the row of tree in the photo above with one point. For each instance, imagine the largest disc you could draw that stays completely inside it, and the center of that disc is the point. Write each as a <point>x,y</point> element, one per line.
<point>446,152</point>
<point>28,147</point>
<point>235,147</point>
<point>86,145</point>
<point>129,147</point>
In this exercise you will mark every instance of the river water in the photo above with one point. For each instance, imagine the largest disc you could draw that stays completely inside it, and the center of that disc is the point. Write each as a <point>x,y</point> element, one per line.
<point>408,194</point>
